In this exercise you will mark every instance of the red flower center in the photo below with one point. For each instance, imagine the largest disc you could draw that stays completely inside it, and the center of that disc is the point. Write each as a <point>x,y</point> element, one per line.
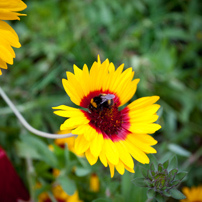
<point>106,118</point>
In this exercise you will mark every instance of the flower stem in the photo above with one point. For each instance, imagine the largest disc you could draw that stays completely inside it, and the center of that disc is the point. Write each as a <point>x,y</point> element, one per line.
<point>26,124</point>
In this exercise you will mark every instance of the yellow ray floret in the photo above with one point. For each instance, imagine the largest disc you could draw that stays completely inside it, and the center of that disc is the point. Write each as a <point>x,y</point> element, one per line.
<point>8,9</point>
<point>193,194</point>
<point>101,77</point>
<point>8,37</point>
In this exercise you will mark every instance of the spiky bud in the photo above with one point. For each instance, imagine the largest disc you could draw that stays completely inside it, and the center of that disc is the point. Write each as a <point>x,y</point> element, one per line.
<point>161,179</point>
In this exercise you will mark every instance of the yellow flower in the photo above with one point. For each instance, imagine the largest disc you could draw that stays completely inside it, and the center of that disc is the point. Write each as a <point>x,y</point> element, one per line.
<point>94,183</point>
<point>8,37</point>
<point>60,195</point>
<point>69,141</point>
<point>193,194</point>
<point>104,131</point>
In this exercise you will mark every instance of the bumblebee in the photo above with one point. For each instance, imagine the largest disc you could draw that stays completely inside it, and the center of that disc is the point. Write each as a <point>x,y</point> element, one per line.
<point>102,101</point>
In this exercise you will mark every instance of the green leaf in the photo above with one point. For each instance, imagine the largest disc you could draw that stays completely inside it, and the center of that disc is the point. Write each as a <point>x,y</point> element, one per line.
<point>179,150</point>
<point>172,174</point>
<point>177,194</point>
<point>125,185</point>
<point>153,173</point>
<point>41,148</point>
<point>25,151</point>
<point>152,167</point>
<point>151,193</point>
<point>165,164</point>
<point>118,198</point>
<point>181,175</point>
<point>173,163</point>
<point>143,171</point>
<point>154,161</point>
<point>173,171</point>
<point>82,171</point>
<point>175,183</point>
<point>67,184</point>
<point>102,200</point>
<point>149,175</point>
<point>165,193</point>
<point>160,167</point>
<point>148,182</point>
<point>159,198</point>
<point>139,182</point>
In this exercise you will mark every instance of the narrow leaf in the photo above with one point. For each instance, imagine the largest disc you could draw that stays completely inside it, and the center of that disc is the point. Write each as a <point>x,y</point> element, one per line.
<point>173,163</point>
<point>150,193</point>
<point>165,164</point>
<point>139,182</point>
<point>144,172</point>
<point>181,175</point>
<point>160,198</point>
<point>67,184</point>
<point>177,194</point>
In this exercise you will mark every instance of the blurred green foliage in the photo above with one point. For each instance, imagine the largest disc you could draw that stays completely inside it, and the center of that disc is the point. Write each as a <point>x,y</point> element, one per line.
<point>161,40</point>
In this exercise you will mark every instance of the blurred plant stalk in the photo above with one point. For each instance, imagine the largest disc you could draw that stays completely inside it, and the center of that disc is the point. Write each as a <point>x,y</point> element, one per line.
<point>26,124</point>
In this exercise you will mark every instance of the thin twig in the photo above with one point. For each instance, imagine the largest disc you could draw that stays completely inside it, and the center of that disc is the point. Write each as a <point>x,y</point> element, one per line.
<point>26,124</point>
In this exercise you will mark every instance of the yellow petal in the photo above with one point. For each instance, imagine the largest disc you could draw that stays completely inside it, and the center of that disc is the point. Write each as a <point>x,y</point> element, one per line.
<point>81,144</point>
<point>74,122</point>
<point>111,67</point>
<point>98,59</point>
<point>94,183</point>
<point>68,112</point>
<point>142,102</point>
<point>111,167</point>
<point>90,133</point>
<point>136,153</point>
<point>141,145</point>
<point>124,155</point>
<point>128,92</point>
<point>76,83</point>
<point>3,64</point>
<point>111,151</point>
<point>120,168</point>
<point>103,157</point>
<point>91,158</point>
<point>145,138</point>
<point>7,53</point>
<point>144,128</point>
<point>101,75</point>
<point>71,91</point>
<point>129,169</point>
<point>77,72</point>
<point>79,130</point>
<point>144,119</point>
<point>85,82</point>
<point>146,111</point>
<point>97,144</point>
<point>7,9</point>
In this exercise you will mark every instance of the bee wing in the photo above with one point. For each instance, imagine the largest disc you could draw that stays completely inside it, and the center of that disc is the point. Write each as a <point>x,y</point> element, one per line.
<point>107,97</point>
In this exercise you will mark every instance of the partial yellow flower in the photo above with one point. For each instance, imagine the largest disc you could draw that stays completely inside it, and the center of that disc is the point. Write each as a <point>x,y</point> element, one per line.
<point>70,141</point>
<point>8,37</point>
<point>60,195</point>
<point>193,194</point>
<point>94,183</point>
<point>104,131</point>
